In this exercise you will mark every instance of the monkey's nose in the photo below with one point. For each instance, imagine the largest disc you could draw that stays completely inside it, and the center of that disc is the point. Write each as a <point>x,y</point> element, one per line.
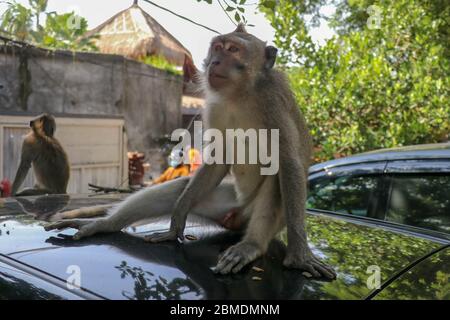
<point>215,62</point>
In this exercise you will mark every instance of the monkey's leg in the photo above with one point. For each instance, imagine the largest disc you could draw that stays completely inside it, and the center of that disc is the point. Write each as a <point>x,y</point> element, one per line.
<point>265,222</point>
<point>298,253</point>
<point>199,188</point>
<point>152,202</point>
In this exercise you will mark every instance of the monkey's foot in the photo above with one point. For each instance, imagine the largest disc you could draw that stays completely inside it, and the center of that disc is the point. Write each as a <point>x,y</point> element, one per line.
<point>170,235</point>
<point>237,257</point>
<point>311,264</point>
<point>77,213</point>
<point>86,227</point>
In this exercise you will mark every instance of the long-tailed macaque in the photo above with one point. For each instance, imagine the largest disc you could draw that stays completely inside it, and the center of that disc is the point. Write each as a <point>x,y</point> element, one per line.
<point>50,164</point>
<point>242,90</point>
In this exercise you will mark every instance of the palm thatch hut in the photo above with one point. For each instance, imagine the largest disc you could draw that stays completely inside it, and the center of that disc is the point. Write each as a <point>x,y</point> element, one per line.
<point>133,33</point>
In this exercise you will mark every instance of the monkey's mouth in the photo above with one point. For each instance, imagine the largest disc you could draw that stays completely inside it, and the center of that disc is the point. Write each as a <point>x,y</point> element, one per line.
<point>216,75</point>
<point>217,80</point>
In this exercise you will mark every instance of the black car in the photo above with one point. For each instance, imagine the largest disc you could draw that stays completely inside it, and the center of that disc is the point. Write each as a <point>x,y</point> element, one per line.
<point>374,260</point>
<point>408,185</point>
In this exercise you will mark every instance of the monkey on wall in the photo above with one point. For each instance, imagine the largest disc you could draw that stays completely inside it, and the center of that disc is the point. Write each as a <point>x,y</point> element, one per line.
<point>242,90</point>
<point>43,151</point>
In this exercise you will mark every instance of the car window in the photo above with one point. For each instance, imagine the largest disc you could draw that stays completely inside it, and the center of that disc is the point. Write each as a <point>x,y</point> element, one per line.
<point>421,201</point>
<point>345,194</point>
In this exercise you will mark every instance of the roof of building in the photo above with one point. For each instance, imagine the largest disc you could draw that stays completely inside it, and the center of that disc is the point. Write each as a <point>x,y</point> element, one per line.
<point>135,34</point>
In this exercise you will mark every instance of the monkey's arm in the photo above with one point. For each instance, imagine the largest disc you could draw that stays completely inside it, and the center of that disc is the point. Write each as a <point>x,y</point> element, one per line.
<point>205,180</point>
<point>26,159</point>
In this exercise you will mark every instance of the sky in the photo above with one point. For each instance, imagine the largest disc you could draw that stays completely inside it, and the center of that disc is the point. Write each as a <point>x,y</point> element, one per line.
<point>194,38</point>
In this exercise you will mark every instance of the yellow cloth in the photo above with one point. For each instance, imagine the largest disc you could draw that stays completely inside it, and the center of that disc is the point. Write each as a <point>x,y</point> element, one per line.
<point>195,159</point>
<point>173,173</point>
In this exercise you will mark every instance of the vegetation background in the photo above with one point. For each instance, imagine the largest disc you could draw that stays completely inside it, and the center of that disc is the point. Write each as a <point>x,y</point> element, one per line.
<point>381,81</point>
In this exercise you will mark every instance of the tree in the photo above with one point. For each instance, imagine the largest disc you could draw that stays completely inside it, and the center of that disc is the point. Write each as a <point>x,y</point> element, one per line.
<point>234,9</point>
<point>61,31</point>
<point>17,20</point>
<point>66,31</point>
<point>368,88</point>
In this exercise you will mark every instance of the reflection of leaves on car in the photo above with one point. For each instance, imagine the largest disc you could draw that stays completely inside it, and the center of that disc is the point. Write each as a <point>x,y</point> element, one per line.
<point>347,194</point>
<point>351,248</point>
<point>428,280</point>
<point>421,201</point>
<point>149,287</point>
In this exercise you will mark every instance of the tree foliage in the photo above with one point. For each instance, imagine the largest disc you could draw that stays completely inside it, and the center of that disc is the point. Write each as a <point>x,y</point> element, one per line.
<point>60,31</point>
<point>368,88</point>
<point>234,9</point>
<point>160,62</point>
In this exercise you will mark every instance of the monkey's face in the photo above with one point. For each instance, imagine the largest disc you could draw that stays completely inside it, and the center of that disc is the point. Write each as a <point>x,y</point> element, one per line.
<point>236,60</point>
<point>43,125</point>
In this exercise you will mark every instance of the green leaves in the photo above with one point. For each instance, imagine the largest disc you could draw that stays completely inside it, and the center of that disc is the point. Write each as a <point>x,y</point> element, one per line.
<point>65,31</point>
<point>236,8</point>
<point>160,62</point>
<point>61,31</point>
<point>17,20</point>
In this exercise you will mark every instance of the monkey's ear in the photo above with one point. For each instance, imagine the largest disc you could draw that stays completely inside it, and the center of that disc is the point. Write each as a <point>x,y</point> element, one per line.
<point>241,28</point>
<point>271,56</point>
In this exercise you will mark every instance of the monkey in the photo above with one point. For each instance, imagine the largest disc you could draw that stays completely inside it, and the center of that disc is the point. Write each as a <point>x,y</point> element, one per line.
<point>242,90</point>
<point>43,151</point>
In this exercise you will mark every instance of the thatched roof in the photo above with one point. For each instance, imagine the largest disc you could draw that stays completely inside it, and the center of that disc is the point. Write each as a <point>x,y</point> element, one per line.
<point>135,34</point>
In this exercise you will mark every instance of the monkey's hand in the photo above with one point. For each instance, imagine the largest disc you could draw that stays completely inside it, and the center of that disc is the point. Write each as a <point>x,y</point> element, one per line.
<point>236,257</point>
<point>86,227</point>
<point>307,261</point>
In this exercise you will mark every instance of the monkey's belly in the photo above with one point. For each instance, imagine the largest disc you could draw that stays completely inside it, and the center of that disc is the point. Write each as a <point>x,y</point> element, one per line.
<point>247,180</point>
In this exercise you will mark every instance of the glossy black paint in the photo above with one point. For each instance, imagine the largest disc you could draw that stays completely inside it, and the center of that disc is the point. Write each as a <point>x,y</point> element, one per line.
<point>122,266</point>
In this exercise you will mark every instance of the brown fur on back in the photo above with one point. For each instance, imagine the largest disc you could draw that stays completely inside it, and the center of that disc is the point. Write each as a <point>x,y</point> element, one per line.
<point>52,160</point>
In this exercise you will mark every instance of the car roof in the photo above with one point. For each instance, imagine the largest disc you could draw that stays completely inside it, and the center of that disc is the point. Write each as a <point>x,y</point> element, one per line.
<point>123,266</point>
<point>434,151</point>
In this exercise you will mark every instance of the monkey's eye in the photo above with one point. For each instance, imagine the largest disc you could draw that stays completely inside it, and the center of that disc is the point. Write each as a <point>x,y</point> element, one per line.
<point>217,46</point>
<point>233,49</point>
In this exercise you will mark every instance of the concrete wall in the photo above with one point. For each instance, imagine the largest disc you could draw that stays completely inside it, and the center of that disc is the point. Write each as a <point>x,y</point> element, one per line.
<point>33,80</point>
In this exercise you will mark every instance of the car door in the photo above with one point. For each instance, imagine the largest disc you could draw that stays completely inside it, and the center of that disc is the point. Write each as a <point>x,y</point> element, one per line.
<point>355,189</point>
<point>419,193</point>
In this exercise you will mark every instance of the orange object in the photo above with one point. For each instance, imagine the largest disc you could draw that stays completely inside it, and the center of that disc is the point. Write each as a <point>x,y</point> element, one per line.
<point>173,173</point>
<point>195,159</point>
